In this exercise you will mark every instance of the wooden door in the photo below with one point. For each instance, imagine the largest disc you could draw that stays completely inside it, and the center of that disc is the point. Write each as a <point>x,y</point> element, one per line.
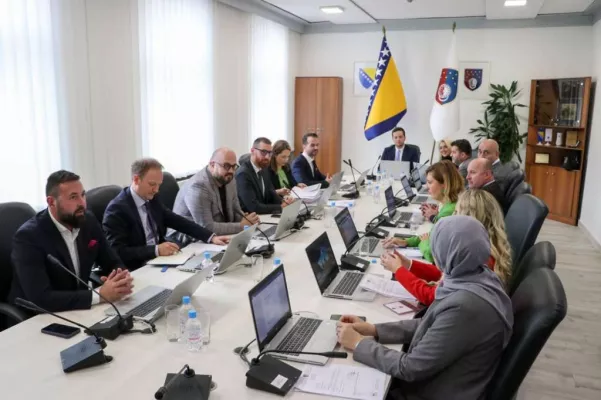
<point>538,177</point>
<point>562,184</point>
<point>305,110</point>
<point>329,124</point>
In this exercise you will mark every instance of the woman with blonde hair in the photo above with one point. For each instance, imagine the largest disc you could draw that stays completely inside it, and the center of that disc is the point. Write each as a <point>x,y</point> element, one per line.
<point>444,185</point>
<point>421,279</point>
<point>444,148</point>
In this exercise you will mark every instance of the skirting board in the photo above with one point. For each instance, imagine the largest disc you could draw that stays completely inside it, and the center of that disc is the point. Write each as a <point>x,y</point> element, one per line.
<point>588,233</point>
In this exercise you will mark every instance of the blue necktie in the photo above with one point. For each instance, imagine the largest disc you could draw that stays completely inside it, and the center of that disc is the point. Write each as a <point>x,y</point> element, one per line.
<point>398,155</point>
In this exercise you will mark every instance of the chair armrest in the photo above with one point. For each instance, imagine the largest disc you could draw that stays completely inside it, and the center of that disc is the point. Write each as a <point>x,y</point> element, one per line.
<point>13,312</point>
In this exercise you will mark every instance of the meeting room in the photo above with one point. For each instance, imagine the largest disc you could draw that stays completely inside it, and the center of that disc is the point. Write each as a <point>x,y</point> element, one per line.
<point>307,199</point>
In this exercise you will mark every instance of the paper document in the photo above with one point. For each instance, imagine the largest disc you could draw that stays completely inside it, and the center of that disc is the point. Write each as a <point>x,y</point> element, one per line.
<point>309,192</point>
<point>347,381</point>
<point>176,259</point>
<point>385,287</point>
<point>410,252</point>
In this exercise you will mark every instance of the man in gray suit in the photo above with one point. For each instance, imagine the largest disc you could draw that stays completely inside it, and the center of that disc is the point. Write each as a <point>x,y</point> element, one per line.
<point>489,149</point>
<point>461,152</point>
<point>210,197</point>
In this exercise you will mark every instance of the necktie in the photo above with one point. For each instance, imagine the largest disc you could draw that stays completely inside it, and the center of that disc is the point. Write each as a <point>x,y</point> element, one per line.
<point>151,224</point>
<point>398,155</point>
<point>314,168</point>
<point>262,183</point>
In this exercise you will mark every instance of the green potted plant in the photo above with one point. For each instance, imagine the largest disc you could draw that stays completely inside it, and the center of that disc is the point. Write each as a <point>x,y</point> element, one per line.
<point>501,121</point>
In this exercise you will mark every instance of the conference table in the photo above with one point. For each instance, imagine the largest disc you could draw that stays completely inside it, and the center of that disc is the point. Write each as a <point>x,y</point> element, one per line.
<point>31,367</point>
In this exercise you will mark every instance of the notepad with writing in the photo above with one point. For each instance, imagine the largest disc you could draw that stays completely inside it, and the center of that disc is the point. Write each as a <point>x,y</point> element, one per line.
<point>346,381</point>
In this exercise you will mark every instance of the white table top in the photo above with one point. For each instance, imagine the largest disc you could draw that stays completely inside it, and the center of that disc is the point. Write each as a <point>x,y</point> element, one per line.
<point>31,368</point>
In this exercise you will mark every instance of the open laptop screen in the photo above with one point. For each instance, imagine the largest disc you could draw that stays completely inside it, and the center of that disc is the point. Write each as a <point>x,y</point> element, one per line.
<point>407,187</point>
<point>270,306</point>
<point>322,259</point>
<point>390,203</point>
<point>347,228</point>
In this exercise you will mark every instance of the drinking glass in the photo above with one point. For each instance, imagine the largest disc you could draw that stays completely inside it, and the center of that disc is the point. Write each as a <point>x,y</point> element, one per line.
<point>172,328</point>
<point>256,261</point>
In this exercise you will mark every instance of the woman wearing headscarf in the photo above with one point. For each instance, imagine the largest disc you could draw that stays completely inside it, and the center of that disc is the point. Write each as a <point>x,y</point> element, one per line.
<point>455,348</point>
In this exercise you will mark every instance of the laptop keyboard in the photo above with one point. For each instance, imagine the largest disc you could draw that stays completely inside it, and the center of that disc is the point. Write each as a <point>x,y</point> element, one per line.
<point>348,284</point>
<point>217,257</point>
<point>299,336</point>
<point>403,216</point>
<point>373,243</point>
<point>420,199</point>
<point>270,231</point>
<point>151,304</point>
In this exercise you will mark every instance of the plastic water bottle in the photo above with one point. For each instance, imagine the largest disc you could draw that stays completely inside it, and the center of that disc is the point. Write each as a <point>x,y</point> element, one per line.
<point>370,188</point>
<point>276,263</point>
<point>193,332</point>
<point>374,262</point>
<point>330,213</point>
<point>351,210</point>
<point>208,263</point>
<point>185,308</point>
<point>376,194</point>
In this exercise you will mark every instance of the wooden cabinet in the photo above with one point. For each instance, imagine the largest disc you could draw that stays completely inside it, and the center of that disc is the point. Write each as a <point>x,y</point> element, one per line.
<point>318,108</point>
<point>555,186</point>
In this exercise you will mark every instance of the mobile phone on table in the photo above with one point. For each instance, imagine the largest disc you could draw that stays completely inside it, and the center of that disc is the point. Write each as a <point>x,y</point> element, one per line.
<point>403,307</point>
<point>276,215</point>
<point>336,317</point>
<point>60,330</point>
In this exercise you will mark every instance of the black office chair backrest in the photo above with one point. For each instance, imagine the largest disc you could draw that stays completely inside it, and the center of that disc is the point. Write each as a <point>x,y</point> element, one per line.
<point>523,221</point>
<point>541,255</point>
<point>522,188</point>
<point>169,190</point>
<point>513,180</point>
<point>243,158</point>
<point>99,198</point>
<point>12,215</point>
<point>419,151</point>
<point>539,305</point>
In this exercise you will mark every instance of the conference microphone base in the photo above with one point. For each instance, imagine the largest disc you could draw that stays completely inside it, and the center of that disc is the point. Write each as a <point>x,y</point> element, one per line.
<point>112,326</point>
<point>353,195</point>
<point>187,387</point>
<point>272,375</point>
<point>85,354</point>
<point>265,250</point>
<point>352,263</point>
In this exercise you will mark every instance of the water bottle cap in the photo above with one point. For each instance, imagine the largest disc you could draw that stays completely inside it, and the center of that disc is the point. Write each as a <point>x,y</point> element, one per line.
<point>374,261</point>
<point>246,227</point>
<point>192,314</point>
<point>277,261</point>
<point>207,255</point>
<point>332,203</point>
<point>186,300</point>
<point>350,205</point>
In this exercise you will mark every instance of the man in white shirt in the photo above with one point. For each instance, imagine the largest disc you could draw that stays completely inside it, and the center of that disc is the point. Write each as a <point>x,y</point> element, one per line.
<point>73,236</point>
<point>304,168</point>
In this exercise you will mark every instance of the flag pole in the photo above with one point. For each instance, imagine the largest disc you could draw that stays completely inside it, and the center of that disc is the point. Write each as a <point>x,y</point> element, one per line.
<point>432,154</point>
<point>383,30</point>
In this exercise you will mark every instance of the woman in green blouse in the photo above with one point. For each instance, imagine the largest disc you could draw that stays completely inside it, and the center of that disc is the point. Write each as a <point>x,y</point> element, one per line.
<point>279,169</point>
<point>445,184</point>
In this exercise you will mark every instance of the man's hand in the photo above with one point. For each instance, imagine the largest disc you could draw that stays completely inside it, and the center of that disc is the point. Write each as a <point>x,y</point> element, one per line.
<point>116,286</point>
<point>301,185</point>
<point>362,327</point>
<point>168,249</point>
<point>328,178</point>
<point>251,219</point>
<point>220,240</point>
<point>287,201</point>
<point>283,192</point>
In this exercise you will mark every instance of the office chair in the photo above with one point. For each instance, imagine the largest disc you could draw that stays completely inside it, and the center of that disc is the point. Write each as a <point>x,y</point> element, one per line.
<point>523,221</point>
<point>12,215</point>
<point>522,188</point>
<point>419,152</point>
<point>539,305</point>
<point>169,190</point>
<point>243,158</point>
<point>541,255</point>
<point>99,198</point>
<point>513,180</point>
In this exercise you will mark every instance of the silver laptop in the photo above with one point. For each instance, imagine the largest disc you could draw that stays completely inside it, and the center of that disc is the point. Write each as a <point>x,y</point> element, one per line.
<point>316,208</point>
<point>351,238</point>
<point>349,187</point>
<point>277,329</point>
<point>335,183</point>
<point>396,217</point>
<point>420,189</point>
<point>149,303</point>
<point>396,169</point>
<point>225,259</point>
<point>285,224</point>
<point>331,281</point>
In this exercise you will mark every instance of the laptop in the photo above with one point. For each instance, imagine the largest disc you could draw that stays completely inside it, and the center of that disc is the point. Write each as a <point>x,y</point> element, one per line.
<point>317,208</point>
<point>396,217</point>
<point>225,259</point>
<point>285,224</point>
<point>350,236</point>
<point>420,189</point>
<point>418,174</point>
<point>396,169</point>
<point>331,281</point>
<point>352,186</point>
<point>335,182</point>
<point>149,303</point>
<point>277,329</point>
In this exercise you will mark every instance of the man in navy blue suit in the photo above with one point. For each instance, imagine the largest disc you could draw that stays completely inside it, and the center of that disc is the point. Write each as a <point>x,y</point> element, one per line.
<point>399,151</point>
<point>304,167</point>
<point>73,236</point>
<point>136,221</point>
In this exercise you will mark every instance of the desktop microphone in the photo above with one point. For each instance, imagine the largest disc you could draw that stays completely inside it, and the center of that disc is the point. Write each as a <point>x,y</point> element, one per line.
<point>371,175</point>
<point>308,214</point>
<point>355,194</point>
<point>354,263</point>
<point>110,327</point>
<point>274,376</point>
<point>350,165</point>
<point>185,385</point>
<point>87,353</point>
<point>265,250</point>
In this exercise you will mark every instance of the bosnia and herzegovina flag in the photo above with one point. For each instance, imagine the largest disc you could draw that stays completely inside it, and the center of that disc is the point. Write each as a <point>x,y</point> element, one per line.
<point>387,104</point>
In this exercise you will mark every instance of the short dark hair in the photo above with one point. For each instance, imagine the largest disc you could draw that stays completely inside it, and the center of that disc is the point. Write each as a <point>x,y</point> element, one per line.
<point>143,165</point>
<point>260,140</point>
<point>399,129</point>
<point>56,178</point>
<point>307,135</point>
<point>463,145</point>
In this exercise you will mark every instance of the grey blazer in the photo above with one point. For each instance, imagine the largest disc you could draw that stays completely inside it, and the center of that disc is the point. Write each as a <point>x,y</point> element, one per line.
<point>463,168</point>
<point>502,170</point>
<point>453,353</point>
<point>198,200</point>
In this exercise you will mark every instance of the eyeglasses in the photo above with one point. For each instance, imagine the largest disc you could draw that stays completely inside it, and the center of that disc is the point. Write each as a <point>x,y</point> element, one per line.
<point>227,166</point>
<point>264,152</point>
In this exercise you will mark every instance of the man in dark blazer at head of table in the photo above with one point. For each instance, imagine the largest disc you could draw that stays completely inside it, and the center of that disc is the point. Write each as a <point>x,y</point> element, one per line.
<point>399,151</point>
<point>136,221</point>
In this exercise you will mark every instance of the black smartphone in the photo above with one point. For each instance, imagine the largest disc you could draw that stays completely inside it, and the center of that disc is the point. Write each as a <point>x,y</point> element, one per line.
<point>276,215</point>
<point>60,330</point>
<point>336,317</point>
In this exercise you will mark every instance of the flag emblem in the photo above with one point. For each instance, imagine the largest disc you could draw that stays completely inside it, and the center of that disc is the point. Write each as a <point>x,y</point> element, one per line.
<point>447,86</point>
<point>472,78</point>
<point>366,77</point>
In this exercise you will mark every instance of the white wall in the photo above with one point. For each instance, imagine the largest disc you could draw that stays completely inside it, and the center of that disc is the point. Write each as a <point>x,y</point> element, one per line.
<point>514,54</point>
<point>590,215</point>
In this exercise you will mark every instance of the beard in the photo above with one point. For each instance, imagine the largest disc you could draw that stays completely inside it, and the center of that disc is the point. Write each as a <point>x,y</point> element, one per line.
<point>225,179</point>
<point>74,220</point>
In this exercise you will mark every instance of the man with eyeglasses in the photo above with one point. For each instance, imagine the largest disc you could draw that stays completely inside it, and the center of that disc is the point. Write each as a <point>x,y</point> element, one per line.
<point>255,190</point>
<point>210,198</point>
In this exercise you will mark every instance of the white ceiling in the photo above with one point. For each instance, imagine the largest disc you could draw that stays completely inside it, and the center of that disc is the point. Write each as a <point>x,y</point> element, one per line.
<point>362,11</point>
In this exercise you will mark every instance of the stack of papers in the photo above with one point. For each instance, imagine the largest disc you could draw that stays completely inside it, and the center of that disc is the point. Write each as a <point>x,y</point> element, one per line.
<point>385,287</point>
<point>307,193</point>
<point>347,381</point>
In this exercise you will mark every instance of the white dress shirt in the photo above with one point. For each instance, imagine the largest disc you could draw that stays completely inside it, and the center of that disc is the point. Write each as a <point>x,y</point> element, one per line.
<point>143,213</point>
<point>310,160</point>
<point>498,160</point>
<point>70,238</point>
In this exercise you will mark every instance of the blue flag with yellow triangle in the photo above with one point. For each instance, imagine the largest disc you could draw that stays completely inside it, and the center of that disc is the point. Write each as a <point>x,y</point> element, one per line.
<point>387,104</point>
